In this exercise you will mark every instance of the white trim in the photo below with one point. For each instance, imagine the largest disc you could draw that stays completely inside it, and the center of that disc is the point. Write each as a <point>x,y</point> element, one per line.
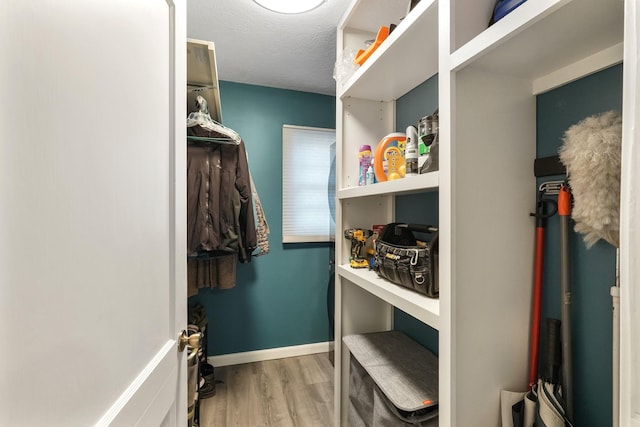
<point>178,206</point>
<point>269,354</point>
<point>153,380</point>
<point>629,411</point>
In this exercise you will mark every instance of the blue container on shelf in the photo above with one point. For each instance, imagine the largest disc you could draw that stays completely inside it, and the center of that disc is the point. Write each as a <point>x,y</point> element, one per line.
<point>503,8</point>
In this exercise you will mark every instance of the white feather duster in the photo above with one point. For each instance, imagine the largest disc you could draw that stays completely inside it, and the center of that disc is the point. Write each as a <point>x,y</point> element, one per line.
<point>591,154</point>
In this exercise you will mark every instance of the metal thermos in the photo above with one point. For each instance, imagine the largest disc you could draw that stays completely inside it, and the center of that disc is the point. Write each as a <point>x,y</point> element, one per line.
<point>428,146</point>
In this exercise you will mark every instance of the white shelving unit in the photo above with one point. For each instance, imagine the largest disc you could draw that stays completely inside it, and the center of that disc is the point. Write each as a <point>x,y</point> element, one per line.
<point>488,79</point>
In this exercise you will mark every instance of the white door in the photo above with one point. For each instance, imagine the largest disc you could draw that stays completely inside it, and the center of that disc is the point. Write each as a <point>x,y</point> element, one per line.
<point>92,212</point>
<point>630,225</point>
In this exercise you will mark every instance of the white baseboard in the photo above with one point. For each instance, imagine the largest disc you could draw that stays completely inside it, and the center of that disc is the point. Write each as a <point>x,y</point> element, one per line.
<point>269,354</point>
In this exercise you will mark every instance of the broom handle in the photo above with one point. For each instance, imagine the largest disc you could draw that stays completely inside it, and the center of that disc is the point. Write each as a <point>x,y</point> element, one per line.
<point>536,309</point>
<point>541,215</point>
<point>564,211</point>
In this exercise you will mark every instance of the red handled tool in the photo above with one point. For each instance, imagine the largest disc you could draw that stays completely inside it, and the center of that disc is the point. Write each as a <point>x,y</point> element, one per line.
<point>541,215</point>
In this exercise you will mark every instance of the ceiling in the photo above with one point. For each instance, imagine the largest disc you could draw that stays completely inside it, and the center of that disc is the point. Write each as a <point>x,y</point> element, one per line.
<point>256,46</point>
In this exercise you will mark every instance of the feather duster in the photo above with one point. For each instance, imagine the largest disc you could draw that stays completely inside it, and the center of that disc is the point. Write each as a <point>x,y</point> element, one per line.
<point>591,155</point>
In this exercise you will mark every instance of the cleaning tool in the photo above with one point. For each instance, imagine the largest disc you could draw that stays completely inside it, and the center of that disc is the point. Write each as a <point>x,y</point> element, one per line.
<point>591,153</point>
<point>519,408</point>
<point>542,405</point>
<point>547,394</point>
<point>564,212</point>
<point>541,216</point>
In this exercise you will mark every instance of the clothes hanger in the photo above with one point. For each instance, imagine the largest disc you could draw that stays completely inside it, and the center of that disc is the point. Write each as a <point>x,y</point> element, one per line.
<point>202,118</point>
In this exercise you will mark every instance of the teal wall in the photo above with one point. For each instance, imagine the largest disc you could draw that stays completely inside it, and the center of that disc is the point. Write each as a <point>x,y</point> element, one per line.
<point>417,208</point>
<point>280,299</point>
<point>593,270</point>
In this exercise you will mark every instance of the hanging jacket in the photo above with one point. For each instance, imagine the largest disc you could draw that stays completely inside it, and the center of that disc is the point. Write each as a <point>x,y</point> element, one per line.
<point>219,202</point>
<point>262,227</point>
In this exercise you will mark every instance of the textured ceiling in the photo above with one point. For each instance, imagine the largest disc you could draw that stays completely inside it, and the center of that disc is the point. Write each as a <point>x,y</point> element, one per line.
<point>257,46</point>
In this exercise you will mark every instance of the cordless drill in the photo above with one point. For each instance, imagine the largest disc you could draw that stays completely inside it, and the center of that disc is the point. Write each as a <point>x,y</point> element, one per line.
<point>358,237</point>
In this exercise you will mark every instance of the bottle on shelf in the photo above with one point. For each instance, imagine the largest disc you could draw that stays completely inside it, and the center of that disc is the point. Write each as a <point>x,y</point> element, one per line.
<point>364,157</point>
<point>369,175</point>
<point>411,152</point>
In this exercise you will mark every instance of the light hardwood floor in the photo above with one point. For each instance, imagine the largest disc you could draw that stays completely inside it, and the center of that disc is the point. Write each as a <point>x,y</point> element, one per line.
<point>296,391</point>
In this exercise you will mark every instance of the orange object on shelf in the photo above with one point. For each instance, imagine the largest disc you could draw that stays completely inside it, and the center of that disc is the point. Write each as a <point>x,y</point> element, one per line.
<point>363,55</point>
<point>398,171</point>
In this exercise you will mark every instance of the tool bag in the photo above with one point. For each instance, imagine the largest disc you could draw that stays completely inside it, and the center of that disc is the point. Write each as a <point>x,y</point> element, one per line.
<point>401,259</point>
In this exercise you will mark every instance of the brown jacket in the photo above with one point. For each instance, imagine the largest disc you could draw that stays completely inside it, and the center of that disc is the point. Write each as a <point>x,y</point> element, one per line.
<point>219,202</point>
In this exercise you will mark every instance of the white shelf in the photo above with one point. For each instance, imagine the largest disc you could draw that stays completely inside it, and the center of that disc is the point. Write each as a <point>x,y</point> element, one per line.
<point>390,64</point>
<point>407,185</point>
<point>369,15</point>
<point>542,36</point>
<point>202,76</point>
<point>425,309</point>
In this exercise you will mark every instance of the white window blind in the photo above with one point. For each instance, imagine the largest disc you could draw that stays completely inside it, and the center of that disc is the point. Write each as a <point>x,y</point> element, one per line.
<point>308,184</point>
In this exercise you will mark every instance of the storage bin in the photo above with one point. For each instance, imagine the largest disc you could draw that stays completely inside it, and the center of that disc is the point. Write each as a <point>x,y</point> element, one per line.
<point>393,381</point>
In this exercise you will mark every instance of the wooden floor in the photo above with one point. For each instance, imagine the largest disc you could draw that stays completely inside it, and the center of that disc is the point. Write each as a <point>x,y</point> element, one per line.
<point>296,391</point>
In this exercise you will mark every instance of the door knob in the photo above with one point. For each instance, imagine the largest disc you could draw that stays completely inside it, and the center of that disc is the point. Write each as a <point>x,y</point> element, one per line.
<point>192,341</point>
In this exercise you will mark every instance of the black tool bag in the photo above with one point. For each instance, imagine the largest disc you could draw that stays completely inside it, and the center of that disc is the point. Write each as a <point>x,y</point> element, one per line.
<point>400,259</point>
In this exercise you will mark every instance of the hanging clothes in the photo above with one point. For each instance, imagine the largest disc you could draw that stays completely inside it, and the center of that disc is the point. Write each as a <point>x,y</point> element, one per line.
<point>211,273</point>
<point>220,221</point>
<point>220,214</point>
<point>262,229</point>
<point>219,201</point>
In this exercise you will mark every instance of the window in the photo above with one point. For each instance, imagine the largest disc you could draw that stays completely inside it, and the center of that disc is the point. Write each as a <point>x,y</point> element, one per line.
<point>308,184</point>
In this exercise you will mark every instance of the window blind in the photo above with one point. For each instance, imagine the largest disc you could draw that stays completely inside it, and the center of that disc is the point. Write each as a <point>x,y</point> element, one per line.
<point>308,184</point>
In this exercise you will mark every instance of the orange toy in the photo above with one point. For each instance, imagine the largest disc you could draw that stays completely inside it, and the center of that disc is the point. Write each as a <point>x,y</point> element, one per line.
<point>393,156</point>
<point>363,55</point>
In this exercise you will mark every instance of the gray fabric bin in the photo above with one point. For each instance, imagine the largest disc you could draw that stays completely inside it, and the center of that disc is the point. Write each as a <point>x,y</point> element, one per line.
<point>393,381</point>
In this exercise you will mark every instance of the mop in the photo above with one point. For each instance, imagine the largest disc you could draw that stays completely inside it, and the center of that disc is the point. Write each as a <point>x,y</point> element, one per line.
<point>591,154</point>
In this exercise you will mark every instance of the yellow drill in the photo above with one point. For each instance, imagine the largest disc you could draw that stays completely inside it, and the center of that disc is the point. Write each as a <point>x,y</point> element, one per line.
<point>358,237</point>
